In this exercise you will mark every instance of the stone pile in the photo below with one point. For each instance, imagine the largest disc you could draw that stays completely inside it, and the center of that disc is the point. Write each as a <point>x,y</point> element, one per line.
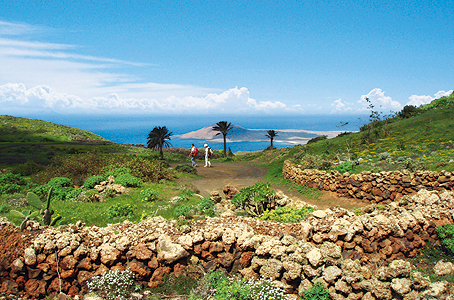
<point>355,256</point>
<point>373,187</point>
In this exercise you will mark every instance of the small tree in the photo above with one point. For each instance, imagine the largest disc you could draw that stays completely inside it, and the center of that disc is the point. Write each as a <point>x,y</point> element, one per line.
<point>271,134</point>
<point>223,127</point>
<point>157,138</point>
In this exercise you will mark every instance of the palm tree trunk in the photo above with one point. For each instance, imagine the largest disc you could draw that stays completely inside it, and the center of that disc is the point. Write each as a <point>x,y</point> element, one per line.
<point>225,146</point>
<point>271,143</point>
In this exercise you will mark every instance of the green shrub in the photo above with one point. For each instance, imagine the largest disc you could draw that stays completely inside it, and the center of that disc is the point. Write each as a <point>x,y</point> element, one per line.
<point>408,111</point>
<point>317,292</point>
<point>316,139</point>
<point>120,210</point>
<point>93,180</point>
<point>117,172</point>
<point>4,208</point>
<point>344,167</point>
<point>384,156</point>
<point>255,199</point>
<point>10,188</point>
<point>60,182</point>
<point>287,214</point>
<point>11,183</point>
<point>149,195</point>
<point>182,210</point>
<point>128,180</point>
<point>232,290</point>
<point>206,207</point>
<point>186,169</point>
<point>446,234</point>
<point>73,194</point>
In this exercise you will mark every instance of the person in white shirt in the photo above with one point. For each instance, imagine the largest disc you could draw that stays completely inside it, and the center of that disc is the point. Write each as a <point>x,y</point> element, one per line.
<point>208,153</point>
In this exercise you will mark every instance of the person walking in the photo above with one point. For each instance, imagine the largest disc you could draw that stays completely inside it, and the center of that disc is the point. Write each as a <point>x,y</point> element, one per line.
<point>208,153</point>
<point>193,155</point>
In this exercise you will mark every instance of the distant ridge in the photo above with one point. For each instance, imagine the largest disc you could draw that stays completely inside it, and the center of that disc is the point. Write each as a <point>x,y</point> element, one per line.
<point>241,134</point>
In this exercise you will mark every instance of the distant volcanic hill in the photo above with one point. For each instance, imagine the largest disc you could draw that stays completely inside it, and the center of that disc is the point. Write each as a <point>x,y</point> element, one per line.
<point>240,134</point>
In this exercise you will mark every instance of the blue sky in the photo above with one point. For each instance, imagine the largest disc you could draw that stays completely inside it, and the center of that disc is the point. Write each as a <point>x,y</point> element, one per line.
<point>223,57</point>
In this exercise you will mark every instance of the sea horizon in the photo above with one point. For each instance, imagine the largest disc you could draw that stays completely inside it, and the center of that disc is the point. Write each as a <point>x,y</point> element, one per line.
<point>134,129</point>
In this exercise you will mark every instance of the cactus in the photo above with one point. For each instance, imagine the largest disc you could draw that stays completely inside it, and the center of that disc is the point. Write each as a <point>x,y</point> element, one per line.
<point>45,211</point>
<point>26,215</point>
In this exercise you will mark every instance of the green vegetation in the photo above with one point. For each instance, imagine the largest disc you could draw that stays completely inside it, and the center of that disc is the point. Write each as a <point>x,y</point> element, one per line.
<point>446,234</point>
<point>422,139</point>
<point>317,292</point>
<point>287,214</point>
<point>113,284</point>
<point>255,199</point>
<point>216,285</point>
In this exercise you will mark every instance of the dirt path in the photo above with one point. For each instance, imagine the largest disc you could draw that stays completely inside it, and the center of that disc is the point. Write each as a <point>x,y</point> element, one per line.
<point>245,174</point>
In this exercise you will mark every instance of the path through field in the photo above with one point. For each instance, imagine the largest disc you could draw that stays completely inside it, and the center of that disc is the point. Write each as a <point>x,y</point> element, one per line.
<point>243,174</point>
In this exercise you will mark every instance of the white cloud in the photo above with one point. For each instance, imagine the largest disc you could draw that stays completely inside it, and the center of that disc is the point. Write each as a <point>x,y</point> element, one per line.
<point>424,99</point>
<point>17,97</point>
<point>38,75</point>
<point>341,106</point>
<point>379,101</point>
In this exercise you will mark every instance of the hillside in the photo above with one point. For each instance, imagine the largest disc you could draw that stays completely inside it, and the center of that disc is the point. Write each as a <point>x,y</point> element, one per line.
<point>422,140</point>
<point>17,129</point>
<point>23,140</point>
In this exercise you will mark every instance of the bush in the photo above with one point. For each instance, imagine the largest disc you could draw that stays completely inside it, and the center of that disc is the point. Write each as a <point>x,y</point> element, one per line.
<point>4,208</point>
<point>287,214</point>
<point>11,183</point>
<point>408,111</point>
<point>73,194</point>
<point>384,156</point>
<point>344,167</point>
<point>186,169</point>
<point>117,172</point>
<point>58,182</point>
<point>10,188</point>
<point>182,210</point>
<point>128,180</point>
<point>308,161</point>
<point>206,207</point>
<point>79,167</point>
<point>316,139</point>
<point>255,199</point>
<point>113,284</point>
<point>263,289</point>
<point>446,234</point>
<point>317,292</point>
<point>120,210</point>
<point>93,180</point>
<point>148,195</point>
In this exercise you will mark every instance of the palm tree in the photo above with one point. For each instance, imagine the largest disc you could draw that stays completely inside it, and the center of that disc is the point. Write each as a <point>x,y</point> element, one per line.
<point>157,139</point>
<point>223,127</point>
<point>271,134</point>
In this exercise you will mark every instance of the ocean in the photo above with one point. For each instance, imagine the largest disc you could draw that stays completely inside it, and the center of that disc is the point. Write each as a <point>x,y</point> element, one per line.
<point>134,129</point>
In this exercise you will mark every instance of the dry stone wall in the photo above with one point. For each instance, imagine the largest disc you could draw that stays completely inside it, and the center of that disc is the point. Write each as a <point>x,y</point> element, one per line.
<point>373,187</point>
<point>355,256</point>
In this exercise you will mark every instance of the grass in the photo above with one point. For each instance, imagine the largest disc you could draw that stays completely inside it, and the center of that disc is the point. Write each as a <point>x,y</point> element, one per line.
<point>97,213</point>
<point>426,260</point>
